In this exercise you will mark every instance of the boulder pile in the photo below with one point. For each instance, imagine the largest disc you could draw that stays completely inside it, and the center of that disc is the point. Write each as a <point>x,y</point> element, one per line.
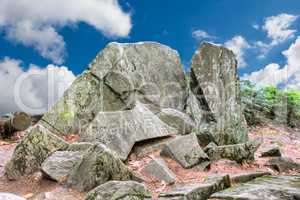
<point>133,93</point>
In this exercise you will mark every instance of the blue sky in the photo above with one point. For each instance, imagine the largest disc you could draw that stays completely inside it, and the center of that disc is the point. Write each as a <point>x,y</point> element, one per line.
<point>68,33</point>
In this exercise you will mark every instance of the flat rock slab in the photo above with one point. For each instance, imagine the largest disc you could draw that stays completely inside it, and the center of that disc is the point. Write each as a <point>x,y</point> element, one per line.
<point>158,169</point>
<point>9,196</point>
<point>97,166</point>
<point>186,151</point>
<point>283,164</point>
<point>236,152</point>
<point>273,151</point>
<point>248,176</point>
<point>178,120</point>
<point>119,190</point>
<point>60,164</point>
<point>32,151</point>
<point>214,82</point>
<point>121,130</point>
<point>268,187</point>
<point>197,191</point>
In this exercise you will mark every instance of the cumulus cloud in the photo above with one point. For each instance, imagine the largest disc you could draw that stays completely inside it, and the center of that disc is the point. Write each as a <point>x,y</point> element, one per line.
<point>33,90</point>
<point>273,74</point>
<point>238,45</point>
<point>34,23</point>
<point>201,35</point>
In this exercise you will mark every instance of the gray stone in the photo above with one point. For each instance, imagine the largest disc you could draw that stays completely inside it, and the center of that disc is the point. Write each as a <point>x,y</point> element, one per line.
<point>178,120</point>
<point>215,84</point>
<point>268,187</point>
<point>158,169</point>
<point>119,190</point>
<point>59,165</point>
<point>80,146</point>
<point>283,164</point>
<point>121,130</point>
<point>246,177</point>
<point>31,152</point>
<point>236,152</point>
<point>146,147</point>
<point>186,151</point>
<point>272,151</point>
<point>9,196</point>
<point>97,166</point>
<point>201,191</point>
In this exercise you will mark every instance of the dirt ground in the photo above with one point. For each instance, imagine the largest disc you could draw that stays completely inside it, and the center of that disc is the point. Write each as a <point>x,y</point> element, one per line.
<point>36,187</point>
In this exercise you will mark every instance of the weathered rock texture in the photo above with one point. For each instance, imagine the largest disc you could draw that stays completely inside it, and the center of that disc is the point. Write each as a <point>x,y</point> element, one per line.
<point>247,176</point>
<point>215,85</point>
<point>97,166</point>
<point>186,151</point>
<point>119,190</point>
<point>59,165</point>
<point>121,130</point>
<point>283,164</point>
<point>272,151</point>
<point>8,196</point>
<point>197,191</point>
<point>31,152</point>
<point>269,187</point>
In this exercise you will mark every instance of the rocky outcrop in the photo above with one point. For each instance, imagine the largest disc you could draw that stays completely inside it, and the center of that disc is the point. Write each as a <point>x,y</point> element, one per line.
<point>121,130</point>
<point>158,169</point>
<point>200,191</point>
<point>31,152</point>
<point>97,166</point>
<point>60,164</point>
<point>186,151</point>
<point>269,187</point>
<point>8,196</point>
<point>247,176</point>
<point>119,190</point>
<point>237,152</point>
<point>178,120</point>
<point>215,85</point>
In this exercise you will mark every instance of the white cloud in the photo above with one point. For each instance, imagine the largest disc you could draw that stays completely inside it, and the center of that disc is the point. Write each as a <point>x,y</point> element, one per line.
<point>238,45</point>
<point>201,35</point>
<point>34,23</point>
<point>33,90</point>
<point>255,26</point>
<point>273,74</point>
<point>278,27</point>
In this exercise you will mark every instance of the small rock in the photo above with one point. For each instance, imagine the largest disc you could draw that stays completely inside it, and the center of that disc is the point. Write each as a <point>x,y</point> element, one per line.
<point>283,164</point>
<point>158,169</point>
<point>178,120</point>
<point>248,176</point>
<point>119,190</point>
<point>236,152</point>
<point>146,147</point>
<point>97,166</point>
<point>272,151</point>
<point>200,191</point>
<point>59,165</point>
<point>186,151</point>
<point>9,196</point>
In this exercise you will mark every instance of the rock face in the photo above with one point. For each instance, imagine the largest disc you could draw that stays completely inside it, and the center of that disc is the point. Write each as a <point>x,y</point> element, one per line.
<point>121,130</point>
<point>236,152</point>
<point>59,165</point>
<point>120,75</point>
<point>248,176</point>
<point>215,85</point>
<point>186,151</point>
<point>178,120</point>
<point>97,166</point>
<point>270,187</point>
<point>31,152</point>
<point>8,196</point>
<point>119,190</point>
<point>158,169</point>
<point>197,191</point>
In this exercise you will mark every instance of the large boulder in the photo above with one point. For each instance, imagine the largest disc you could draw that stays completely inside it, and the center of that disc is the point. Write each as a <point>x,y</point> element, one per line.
<point>8,196</point>
<point>97,166</point>
<point>120,130</point>
<point>215,84</point>
<point>120,75</point>
<point>283,164</point>
<point>31,152</point>
<point>119,190</point>
<point>186,151</point>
